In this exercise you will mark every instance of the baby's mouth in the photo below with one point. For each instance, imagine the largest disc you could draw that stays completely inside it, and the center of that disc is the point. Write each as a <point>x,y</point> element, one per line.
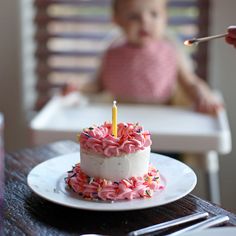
<point>143,33</point>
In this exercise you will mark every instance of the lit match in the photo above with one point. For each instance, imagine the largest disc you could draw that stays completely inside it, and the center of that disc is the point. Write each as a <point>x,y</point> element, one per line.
<point>195,41</point>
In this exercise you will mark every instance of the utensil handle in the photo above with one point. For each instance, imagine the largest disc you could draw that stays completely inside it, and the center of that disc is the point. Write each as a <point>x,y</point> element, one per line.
<point>217,220</point>
<point>210,37</point>
<point>168,224</point>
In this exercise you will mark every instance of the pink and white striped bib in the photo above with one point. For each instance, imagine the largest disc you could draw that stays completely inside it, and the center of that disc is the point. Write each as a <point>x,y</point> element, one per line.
<point>140,74</point>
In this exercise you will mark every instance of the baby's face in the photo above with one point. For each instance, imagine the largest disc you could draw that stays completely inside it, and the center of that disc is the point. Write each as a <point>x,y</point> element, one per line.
<point>141,20</point>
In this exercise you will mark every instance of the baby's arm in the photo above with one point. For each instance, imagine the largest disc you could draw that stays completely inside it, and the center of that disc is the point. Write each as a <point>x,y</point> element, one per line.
<point>93,86</point>
<point>198,91</point>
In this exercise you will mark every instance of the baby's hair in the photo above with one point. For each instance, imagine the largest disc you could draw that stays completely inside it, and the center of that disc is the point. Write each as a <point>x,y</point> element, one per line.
<point>115,4</point>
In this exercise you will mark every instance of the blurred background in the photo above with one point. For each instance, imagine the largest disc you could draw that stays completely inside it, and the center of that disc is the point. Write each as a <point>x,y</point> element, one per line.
<point>45,44</point>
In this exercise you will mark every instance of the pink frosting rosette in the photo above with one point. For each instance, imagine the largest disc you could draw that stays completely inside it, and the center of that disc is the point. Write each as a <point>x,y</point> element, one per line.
<point>99,139</point>
<point>97,188</point>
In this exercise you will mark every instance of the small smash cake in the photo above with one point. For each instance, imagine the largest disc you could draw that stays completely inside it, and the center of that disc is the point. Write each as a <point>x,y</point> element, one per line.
<point>114,168</point>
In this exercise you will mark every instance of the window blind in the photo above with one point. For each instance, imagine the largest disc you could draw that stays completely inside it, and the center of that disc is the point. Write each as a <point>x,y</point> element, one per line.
<point>71,35</point>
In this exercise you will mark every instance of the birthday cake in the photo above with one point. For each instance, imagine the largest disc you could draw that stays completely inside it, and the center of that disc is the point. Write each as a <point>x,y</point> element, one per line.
<point>114,168</point>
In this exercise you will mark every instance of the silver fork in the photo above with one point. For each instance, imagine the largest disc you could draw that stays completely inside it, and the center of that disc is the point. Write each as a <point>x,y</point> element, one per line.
<point>214,221</point>
<point>168,224</point>
<point>164,225</point>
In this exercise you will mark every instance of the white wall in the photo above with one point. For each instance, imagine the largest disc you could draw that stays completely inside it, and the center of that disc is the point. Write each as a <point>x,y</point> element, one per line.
<point>10,75</point>
<point>223,76</point>
<point>17,62</point>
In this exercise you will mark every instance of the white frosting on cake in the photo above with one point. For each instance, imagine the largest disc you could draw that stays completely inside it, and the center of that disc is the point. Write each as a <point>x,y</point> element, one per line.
<point>115,168</point>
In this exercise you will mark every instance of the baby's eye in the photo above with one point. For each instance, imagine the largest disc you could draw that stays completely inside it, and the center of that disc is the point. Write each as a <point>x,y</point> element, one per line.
<point>133,16</point>
<point>154,14</point>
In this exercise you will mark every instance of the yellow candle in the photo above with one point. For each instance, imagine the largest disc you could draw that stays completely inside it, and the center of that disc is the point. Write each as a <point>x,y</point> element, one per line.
<point>114,119</point>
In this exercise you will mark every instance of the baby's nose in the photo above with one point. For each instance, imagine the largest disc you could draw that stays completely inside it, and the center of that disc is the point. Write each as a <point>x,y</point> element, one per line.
<point>145,20</point>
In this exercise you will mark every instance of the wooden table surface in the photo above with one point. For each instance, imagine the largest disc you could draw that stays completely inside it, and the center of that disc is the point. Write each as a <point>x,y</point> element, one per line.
<point>25,213</point>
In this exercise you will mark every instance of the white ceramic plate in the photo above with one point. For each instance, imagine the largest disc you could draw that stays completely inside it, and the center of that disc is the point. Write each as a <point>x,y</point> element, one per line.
<point>47,181</point>
<point>219,231</point>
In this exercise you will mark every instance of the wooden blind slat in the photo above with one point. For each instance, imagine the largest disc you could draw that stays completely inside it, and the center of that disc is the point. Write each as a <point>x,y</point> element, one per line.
<point>45,3</point>
<point>87,70</point>
<point>182,4</point>
<point>43,19</point>
<point>175,21</point>
<point>43,53</point>
<point>45,73</point>
<point>42,36</point>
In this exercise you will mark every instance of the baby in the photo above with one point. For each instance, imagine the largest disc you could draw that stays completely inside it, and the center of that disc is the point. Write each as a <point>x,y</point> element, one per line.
<point>146,67</point>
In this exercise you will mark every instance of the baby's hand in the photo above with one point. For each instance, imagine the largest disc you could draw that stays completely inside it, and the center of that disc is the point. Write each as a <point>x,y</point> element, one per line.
<point>206,101</point>
<point>231,36</point>
<point>68,88</point>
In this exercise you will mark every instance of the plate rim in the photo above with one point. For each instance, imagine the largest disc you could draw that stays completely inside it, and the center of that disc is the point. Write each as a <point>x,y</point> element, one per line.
<point>101,203</point>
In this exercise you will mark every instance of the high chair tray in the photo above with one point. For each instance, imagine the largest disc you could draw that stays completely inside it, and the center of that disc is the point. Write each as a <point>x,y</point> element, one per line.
<point>173,129</point>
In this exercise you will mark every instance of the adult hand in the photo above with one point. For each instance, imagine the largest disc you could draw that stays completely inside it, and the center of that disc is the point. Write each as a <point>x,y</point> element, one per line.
<point>231,36</point>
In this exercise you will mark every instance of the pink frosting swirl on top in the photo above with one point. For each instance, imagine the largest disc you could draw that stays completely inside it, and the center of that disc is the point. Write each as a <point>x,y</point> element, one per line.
<point>99,139</point>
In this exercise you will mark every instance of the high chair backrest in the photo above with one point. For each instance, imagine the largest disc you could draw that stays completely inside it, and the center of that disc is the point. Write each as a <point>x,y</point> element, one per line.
<point>71,35</point>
